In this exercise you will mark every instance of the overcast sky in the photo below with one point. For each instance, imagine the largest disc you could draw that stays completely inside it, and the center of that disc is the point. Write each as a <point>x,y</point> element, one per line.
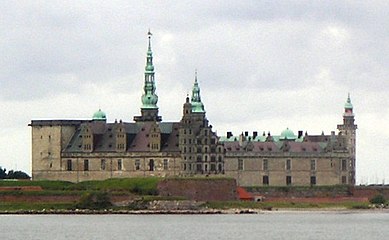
<point>262,66</point>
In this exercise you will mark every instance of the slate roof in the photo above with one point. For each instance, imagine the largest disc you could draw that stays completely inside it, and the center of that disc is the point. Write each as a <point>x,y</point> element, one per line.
<point>137,137</point>
<point>276,147</point>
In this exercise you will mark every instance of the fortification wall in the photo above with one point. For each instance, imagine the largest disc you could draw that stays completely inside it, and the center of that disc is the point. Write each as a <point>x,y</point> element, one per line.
<point>201,189</point>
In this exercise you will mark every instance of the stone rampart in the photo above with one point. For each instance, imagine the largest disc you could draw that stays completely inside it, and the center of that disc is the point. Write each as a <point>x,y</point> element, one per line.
<point>201,189</point>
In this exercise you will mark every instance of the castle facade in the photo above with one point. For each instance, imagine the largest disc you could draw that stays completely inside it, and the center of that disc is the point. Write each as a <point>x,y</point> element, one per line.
<point>80,150</point>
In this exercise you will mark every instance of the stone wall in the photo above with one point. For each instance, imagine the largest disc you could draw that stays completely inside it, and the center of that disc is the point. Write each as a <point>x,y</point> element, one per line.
<point>370,191</point>
<point>199,189</point>
<point>301,192</point>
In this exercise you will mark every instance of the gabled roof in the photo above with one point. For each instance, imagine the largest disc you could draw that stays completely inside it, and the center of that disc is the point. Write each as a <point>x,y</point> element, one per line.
<point>104,136</point>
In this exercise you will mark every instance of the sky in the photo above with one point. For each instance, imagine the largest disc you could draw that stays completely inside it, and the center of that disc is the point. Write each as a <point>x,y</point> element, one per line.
<point>261,65</point>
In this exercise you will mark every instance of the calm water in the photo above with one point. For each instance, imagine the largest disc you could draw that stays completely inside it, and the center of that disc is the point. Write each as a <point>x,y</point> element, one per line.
<point>195,227</point>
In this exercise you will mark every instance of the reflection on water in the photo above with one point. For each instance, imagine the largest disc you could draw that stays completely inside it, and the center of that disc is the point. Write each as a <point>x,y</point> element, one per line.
<point>330,225</point>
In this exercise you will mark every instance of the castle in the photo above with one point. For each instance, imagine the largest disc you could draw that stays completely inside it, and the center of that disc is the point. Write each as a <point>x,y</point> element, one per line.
<point>80,150</point>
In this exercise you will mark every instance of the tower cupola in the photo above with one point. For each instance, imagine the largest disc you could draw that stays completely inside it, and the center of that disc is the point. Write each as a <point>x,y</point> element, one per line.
<point>348,107</point>
<point>197,105</point>
<point>149,98</point>
<point>99,116</point>
<point>149,109</point>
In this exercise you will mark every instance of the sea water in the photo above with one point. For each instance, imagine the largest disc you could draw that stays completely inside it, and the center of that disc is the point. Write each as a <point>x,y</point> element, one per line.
<point>286,225</point>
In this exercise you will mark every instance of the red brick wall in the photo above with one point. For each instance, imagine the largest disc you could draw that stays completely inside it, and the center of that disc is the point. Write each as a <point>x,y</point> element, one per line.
<point>201,189</point>
<point>370,191</point>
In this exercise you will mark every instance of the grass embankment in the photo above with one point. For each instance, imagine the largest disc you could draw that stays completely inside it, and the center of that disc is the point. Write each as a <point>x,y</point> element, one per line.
<point>142,186</point>
<point>145,187</point>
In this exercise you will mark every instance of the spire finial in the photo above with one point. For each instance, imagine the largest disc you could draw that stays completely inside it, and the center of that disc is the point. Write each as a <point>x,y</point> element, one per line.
<point>196,75</point>
<point>149,34</point>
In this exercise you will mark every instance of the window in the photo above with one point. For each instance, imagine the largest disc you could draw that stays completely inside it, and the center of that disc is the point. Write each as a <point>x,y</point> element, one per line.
<point>313,180</point>
<point>213,158</point>
<point>288,164</point>
<point>288,180</point>
<point>213,167</point>
<point>265,180</point>
<point>199,168</point>
<point>240,164</point>
<point>313,165</point>
<point>219,158</point>
<point>102,164</point>
<point>344,179</point>
<point>120,165</point>
<point>137,164</point>
<point>220,167</point>
<point>165,164</point>
<point>151,165</point>
<point>344,165</point>
<point>265,165</point>
<point>69,165</point>
<point>86,165</point>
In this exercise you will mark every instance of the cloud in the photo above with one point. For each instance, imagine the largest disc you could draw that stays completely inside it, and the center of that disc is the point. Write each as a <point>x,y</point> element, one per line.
<point>262,65</point>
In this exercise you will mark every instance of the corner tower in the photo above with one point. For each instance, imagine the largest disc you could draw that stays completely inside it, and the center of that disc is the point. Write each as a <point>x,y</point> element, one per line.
<point>149,109</point>
<point>348,130</point>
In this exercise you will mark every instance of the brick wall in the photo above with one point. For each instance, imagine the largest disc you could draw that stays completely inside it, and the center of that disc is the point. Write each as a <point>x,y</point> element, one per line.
<point>201,189</point>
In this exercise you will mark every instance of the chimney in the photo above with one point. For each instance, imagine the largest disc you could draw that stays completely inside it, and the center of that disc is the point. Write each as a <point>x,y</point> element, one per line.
<point>300,134</point>
<point>255,134</point>
<point>229,134</point>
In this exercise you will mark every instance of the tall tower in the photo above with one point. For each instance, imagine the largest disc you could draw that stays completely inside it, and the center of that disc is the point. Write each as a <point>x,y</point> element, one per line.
<point>149,109</point>
<point>348,130</point>
<point>200,149</point>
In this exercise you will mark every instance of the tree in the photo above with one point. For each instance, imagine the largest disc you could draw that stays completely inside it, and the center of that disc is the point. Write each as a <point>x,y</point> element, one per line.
<point>3,173</point>
<point>17,175</point>
<point>13,174</point>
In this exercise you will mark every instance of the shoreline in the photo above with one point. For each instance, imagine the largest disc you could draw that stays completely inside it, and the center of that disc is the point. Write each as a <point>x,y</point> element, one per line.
<point>191,212</point>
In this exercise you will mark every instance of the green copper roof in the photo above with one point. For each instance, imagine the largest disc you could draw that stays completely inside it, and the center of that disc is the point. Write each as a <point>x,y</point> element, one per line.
<point>287,134</point>
<point>348,104</point>
<point>99,116</point>
<point>197,105</point>
<point>149,98</point>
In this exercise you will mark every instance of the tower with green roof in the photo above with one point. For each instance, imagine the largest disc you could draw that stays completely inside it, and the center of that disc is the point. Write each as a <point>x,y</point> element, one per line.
<point>201,151</point>
<point>348,130</point>
<point>99,116</point>
<point>149,109</point>
<point>197,105</point>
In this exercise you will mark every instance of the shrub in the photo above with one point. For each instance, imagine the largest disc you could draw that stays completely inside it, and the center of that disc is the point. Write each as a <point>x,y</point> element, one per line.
<point>138,205</point>
<point>378,199</point>
<point>98,200</point>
